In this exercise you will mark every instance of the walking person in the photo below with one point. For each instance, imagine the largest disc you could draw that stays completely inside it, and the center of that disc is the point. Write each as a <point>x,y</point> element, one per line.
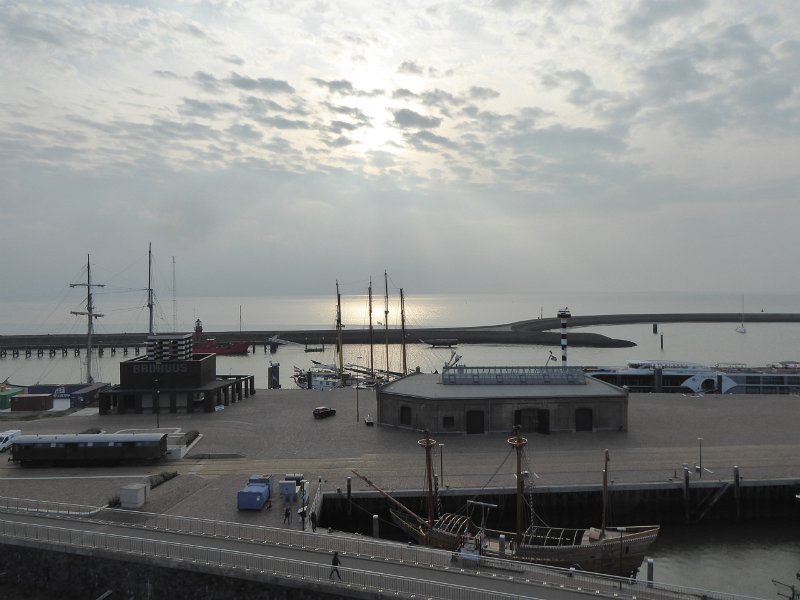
<point>335,566</point>
<point>313,519</point>
<point>287,515</point>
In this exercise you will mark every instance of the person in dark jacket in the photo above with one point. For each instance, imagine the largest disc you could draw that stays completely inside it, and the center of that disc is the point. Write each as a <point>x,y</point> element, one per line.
<point>335,566</point>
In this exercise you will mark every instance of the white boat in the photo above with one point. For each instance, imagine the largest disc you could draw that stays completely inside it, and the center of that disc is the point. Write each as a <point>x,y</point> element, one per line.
<point>665,376</point>
<point>316,378</point>
<point>741,328</point>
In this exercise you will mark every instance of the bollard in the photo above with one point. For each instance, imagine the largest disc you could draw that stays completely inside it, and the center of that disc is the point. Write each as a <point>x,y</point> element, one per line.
<point>649,572</point>
<point>686,493</point>
<point>737,493</point>
<point>375,532</point>
<point>502,545</point>
<point>349,496</point>
<point>655,327</point>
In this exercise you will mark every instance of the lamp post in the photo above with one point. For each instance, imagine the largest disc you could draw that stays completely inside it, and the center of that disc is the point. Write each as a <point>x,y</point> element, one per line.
<point>700,441</point>
<point>157,404</point>
<point>441,463</point>
<point>358,371</point>
<point>621,531</point>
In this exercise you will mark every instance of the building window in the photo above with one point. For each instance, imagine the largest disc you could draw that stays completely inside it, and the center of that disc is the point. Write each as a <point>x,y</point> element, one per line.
<point>405,415</point>
<point>448,422</point>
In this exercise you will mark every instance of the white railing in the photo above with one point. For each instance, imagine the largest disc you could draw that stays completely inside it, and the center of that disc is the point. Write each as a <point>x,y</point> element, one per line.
<point>365,547</point>
<point>257,566</point>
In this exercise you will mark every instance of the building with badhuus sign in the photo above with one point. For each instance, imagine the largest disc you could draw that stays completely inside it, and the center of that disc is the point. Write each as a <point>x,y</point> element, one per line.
<point>173,378</point>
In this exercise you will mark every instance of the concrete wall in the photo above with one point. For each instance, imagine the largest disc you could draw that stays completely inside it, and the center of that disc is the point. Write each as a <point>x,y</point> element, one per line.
<point>607,414</point>
<point>39,573</point>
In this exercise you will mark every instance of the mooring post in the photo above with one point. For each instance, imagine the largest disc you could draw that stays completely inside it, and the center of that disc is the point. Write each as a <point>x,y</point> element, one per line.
<point>649,572</point>
<point>686,493</point>
<point>375,532</point>
<point>502,545</point>
<point>737,493</point>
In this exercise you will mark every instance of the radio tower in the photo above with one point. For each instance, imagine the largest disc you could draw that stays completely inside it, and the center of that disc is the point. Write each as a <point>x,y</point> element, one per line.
<point>90,314</point>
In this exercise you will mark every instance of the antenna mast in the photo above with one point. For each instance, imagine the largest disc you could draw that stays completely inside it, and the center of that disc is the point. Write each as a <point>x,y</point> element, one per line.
<point>150,285</point>
<point>90,314</point>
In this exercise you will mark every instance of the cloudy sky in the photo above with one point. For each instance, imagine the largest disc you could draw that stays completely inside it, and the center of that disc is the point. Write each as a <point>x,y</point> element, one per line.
<point>273,147</point>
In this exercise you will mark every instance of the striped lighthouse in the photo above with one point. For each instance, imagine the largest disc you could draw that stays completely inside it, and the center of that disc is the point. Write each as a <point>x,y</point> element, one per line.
<point>564,314</point>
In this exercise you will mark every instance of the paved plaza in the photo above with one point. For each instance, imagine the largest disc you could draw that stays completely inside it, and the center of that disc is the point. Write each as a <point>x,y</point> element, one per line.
<point>274,432</point>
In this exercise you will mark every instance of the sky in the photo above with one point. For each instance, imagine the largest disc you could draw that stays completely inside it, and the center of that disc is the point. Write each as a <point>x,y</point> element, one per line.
<point>275,147</point>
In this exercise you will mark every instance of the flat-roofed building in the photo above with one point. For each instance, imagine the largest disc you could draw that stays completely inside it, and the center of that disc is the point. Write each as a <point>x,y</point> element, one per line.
<point>464,399</point>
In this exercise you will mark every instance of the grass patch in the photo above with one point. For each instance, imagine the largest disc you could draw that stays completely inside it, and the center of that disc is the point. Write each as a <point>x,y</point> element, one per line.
<point>158,479</point>
<point>190,437</point>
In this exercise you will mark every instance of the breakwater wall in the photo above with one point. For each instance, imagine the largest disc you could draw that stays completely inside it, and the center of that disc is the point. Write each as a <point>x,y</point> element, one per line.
<point>680,501</point>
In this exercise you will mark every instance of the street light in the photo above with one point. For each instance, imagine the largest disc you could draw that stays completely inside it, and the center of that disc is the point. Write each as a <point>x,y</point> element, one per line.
<point>621,531</point>
<point>441,463</point>
<point>156,404</point>
<point>700,441</point>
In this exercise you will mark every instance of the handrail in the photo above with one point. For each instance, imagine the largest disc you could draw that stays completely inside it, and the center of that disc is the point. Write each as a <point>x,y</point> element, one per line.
<point>256,566</point>
<point>355,545</point>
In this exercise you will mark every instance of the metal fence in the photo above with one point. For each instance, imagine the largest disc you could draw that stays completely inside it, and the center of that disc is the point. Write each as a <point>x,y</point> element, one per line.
<point>364,547</point>
<point>256,566</point>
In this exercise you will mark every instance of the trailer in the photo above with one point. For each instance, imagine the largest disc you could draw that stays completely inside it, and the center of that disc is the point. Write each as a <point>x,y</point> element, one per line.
<point>88,448</point>
<point>256,493</point>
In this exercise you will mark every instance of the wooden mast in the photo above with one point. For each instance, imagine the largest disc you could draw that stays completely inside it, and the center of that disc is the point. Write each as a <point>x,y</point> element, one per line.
<point>91,316</point>
<point>150,286</point>
<point>428,442</point>
<point>518,443</point>
<point>403,329</point>
<point>394,501</point>
<point>386,319</point>
<point>339,334</point>
<point>371,350</point>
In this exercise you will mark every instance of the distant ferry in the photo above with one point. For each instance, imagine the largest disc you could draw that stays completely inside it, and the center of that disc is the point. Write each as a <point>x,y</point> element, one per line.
<point>694,378</point>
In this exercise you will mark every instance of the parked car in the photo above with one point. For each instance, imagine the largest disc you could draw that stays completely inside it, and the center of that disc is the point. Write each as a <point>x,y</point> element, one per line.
<point>324,411</point>
<point>7,438</point>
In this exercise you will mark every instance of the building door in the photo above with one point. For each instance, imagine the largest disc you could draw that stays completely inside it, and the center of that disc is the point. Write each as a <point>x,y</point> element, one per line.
<point>475,421</point>
<point>583,419</point>
<point>543,421</point>
<point>527,419</point>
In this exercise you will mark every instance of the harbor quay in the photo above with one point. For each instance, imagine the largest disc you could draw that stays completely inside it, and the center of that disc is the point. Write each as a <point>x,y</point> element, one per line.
<point>274,432</point>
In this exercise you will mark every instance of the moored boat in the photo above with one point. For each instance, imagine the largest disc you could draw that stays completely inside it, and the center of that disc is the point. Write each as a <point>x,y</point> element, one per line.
<point>605,549</point>
<point>201,345</point>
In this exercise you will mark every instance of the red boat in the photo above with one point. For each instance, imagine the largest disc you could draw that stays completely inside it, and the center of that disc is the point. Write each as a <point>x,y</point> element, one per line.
<point>212,346</point>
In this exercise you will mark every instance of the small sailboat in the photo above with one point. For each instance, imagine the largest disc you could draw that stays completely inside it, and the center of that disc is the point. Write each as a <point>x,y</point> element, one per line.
<point>741,328</point>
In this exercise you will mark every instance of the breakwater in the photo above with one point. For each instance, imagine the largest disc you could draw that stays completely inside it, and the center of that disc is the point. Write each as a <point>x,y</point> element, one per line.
<point>535,331</point>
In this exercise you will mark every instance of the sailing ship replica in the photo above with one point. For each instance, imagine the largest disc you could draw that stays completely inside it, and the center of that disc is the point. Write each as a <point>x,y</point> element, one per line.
<point>610,550</point>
